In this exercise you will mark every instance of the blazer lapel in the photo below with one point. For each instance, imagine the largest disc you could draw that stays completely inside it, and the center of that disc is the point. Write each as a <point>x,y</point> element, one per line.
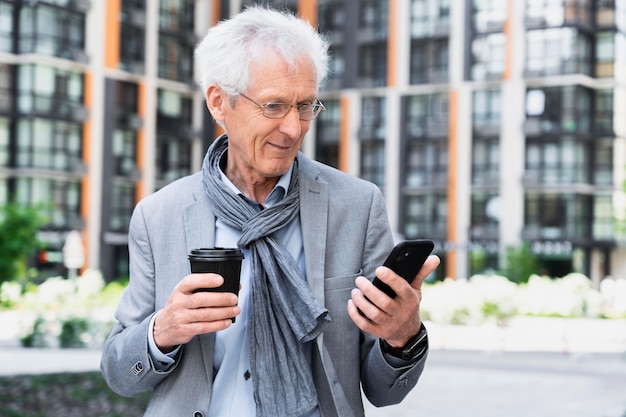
<point>313,218</point>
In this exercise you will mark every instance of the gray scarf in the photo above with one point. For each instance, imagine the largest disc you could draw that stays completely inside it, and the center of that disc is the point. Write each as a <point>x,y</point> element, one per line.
<point>285,314</point>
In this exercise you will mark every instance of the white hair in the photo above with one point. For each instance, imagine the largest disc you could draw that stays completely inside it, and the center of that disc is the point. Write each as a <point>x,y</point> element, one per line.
<point>229,48</point>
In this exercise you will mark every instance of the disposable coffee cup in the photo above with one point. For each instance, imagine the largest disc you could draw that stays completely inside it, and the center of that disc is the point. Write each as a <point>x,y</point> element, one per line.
<point>223,261</point>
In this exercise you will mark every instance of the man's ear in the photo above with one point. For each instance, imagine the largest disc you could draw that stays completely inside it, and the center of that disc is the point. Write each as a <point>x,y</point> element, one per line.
<point>216,100</point>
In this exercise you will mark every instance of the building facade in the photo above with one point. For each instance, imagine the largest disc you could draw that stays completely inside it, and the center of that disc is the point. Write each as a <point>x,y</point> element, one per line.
<point>487,124</point>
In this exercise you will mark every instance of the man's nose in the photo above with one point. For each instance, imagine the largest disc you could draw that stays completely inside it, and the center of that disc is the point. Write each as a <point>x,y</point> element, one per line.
<point>291,123</point>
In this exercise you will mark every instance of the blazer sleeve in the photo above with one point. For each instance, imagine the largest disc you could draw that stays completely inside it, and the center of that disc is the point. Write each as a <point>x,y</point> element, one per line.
<point>382,383</point>
<point>126,364</point>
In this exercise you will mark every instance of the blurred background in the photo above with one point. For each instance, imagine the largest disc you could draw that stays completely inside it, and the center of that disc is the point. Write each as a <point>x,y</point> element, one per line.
<point>489,125</point>
<point>497,128</point>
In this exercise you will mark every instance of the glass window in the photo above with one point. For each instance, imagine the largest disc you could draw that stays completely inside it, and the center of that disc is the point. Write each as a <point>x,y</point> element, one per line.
<point>558,161</point>
<point>374,18</point>
<point>603,218</point>
<point>373,65</point>
<point>552,13</point>
<point>6,26</point>
<point>425,215</point>
<point>331,16</point>
<point>124,152</point>
<point>429,61</point>
<point>557,51</point>
<point>560,109</point>
<point>486,109</point>
<point>327,133</point>
<point>49,30</point>
<point>61,198</point>
<point>603,120</point>
<point>175,59</point>
<point>372,137</point>
<point>602,151</point>
<point>488,56</point>
<point>605,54</point>
<point>427,115</point>
<point>488,15</point>
<point>122,203</point>
<point>557,216</point>
<point>429,17</point>
<point>485,161</point>
<point>176,15</point>
<point>173,154</point>
<point>48,144</point>
<point>5,142</point>
<point>6,87</point>
<point>49,91</point>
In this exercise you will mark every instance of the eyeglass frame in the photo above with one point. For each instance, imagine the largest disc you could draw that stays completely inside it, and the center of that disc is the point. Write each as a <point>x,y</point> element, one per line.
<point>264,107</point>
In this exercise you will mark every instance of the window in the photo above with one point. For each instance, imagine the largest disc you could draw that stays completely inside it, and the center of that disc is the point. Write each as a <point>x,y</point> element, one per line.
<point>173,155</point>
<point>132,36</point>
<point>6,87</point>
<point>122,203</point>
<point>426,163</point>
<point>485,161</point>
<point>602,171</point>
<point>176,40</point>
<point>60,197</point>
<point>603,119</point>
<point>372,137</point>
<point>558,161</point>
<point>488,15</point>
<point>429,18</point>
<point>6,26</point>
<point>485,215</point>
<point>175,59</point>
<point>374,18</point>
<point>488,56</point>
<point>427,115</point>
<point>425,215</point>
<point>5,142</point>
<point>124,153</point>
<point>557,216</point>
<point>176,15</point>
<point>49,30</point>
<point>429,61</point>
<point>603,218</point>
<point>48,144</point>
<point>327,133</point>
<point>557,51</point>
<point>559,109</point>
<point>373,65</point>
<point>486,105</point>
<point>331,16</point>
<point>553,13</point>
<point>50,92</point>
<point>605,54</point>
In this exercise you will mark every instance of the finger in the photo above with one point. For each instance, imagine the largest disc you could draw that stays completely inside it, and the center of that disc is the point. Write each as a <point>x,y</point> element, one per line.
<point>432,262</point>
<point>194,282</point>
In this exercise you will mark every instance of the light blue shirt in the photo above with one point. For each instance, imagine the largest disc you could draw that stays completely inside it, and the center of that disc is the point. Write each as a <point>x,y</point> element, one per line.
<point>232,394</point>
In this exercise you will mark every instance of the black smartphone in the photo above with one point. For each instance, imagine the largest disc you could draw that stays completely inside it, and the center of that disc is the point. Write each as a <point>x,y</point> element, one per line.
<point>406,259</point>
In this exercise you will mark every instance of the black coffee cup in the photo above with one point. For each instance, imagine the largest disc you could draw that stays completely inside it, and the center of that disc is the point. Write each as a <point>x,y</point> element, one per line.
<point>223,261</point>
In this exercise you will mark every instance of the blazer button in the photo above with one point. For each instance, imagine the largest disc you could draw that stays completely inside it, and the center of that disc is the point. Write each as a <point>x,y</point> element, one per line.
<point>137,368</point>
<point>198,414</point>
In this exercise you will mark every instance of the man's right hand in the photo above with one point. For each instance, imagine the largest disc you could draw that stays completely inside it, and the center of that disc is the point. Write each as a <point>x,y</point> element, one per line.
<point>189,313</point>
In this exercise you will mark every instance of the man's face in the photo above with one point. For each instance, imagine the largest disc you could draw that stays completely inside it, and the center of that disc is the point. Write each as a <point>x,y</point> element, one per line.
<point>260,147</point>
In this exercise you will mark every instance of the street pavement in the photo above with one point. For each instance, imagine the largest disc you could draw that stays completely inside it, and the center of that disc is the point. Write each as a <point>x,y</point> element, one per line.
<point>529,368</point>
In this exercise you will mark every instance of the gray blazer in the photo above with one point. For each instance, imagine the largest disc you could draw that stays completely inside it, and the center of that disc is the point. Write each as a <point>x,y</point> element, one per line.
<point>346,234</point>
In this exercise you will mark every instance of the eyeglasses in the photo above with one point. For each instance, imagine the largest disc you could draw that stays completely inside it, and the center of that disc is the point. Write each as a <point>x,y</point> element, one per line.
<point>278,110</point>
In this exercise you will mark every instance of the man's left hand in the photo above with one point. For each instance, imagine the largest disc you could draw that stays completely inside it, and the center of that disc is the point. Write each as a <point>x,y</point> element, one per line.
<point>394,319</point>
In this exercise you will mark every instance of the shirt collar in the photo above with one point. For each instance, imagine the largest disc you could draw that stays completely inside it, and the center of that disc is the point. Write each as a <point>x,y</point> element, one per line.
<point>275,196</point>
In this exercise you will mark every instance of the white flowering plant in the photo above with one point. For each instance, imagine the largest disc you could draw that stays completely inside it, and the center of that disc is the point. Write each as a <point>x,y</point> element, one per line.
<point>61,312</point>
<point>494,298</point>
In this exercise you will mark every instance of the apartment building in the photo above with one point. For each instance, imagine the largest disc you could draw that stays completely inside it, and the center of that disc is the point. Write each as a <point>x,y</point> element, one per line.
<point>487,124</point>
